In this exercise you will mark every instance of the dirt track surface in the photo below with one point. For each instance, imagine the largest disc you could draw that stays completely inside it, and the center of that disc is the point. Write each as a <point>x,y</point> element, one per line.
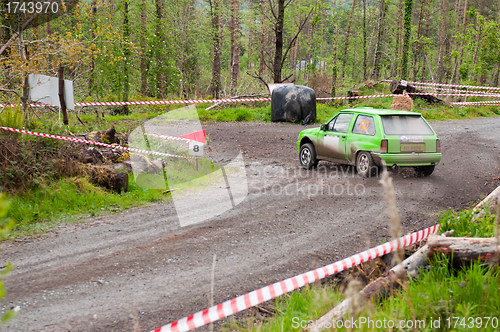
<point>140,268</point>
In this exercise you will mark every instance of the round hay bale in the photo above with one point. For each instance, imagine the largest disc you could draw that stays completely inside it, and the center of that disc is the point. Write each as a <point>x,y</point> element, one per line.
<point>293,103</point>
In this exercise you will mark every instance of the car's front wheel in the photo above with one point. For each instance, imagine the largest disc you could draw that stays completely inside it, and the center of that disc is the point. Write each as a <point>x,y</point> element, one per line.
<point>365,165</point>
<point>307,156</point>
<point>424,170</point>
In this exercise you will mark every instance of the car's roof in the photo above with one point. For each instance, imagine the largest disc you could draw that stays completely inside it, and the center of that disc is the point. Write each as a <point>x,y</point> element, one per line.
<point>379,111</point>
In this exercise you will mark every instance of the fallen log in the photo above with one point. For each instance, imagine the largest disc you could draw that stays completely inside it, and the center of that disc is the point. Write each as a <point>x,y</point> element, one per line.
<point>377,288</point>
<point>463,250</point>
<point>489,201</point>
<point>380,287</point>
<point>108,136</point>
<point>108,178</point>
<point>397,88</point>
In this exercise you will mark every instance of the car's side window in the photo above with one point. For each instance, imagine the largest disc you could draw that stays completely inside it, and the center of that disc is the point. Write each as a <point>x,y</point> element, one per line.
<point>342,123</point>
<point>331,123</point>
<point>364,125</point>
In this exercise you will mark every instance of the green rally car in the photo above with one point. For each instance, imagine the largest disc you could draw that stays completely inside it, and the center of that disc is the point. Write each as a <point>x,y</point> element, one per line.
<point>368,138</point>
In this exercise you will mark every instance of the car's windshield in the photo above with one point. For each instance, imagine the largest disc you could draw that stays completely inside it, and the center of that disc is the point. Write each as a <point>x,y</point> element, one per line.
<point>405,125</point>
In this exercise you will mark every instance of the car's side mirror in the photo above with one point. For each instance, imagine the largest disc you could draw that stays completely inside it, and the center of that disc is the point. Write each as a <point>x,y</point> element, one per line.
<point>323,127</point>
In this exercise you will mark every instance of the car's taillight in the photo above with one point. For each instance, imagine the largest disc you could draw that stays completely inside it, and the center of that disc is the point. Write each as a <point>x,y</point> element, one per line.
<point>438,146</point>
<point>383,146</point>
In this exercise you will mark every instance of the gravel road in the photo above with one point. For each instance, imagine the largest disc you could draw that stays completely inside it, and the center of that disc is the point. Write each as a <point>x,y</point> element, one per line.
<point>140,270</point>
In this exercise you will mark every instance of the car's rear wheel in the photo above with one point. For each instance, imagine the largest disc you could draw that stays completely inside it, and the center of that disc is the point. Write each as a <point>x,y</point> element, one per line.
<point>307,156</point>
<point>424,170</point>
<point>365,165</point>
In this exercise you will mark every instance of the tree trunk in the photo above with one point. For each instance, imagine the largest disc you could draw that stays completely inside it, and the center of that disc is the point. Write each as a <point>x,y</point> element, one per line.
<point>278,53</point>
<point>92,34</point>
<point>398,38</point>
<point>143,65</point>
<point>235,44</point>
<point>24,57</point>
<point>262,38</point>
<point>62,101</point>
<point>495,79</point>
<point>364,40</point>
<point>348,32</point>
<point>455,43</point>
<point>126,54</point>
<point>439,75</point>
<point>418,50</point>
<point>397,88</point>
<point>108,178</point>
<point>423,54</point>
<point>160,77</point>
<point>215,12</point>
<point>334,55</point>
<point>464,23</point>
<point>406,44</point>
<point>49,31</point>
<point>250,48</point>
<point>376,59</point>
<point>462,251</point>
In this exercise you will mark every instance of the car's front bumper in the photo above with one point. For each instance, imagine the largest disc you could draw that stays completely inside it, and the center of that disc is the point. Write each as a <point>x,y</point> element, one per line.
<point>406,159</point>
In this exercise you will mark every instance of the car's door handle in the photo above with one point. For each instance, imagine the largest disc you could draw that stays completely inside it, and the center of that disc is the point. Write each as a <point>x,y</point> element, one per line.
<point>343,136</point>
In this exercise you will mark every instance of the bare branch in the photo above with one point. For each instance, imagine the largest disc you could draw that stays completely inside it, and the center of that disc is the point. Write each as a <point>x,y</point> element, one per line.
<point>14,36</point>
<point>258,77</point>
<point>283,80</point>
<point>272,10</point>
<point>301,26</point>
<point>12,91</point>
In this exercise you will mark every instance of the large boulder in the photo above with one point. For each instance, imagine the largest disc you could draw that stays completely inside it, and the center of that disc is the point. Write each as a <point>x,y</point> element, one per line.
<point>293,103</point>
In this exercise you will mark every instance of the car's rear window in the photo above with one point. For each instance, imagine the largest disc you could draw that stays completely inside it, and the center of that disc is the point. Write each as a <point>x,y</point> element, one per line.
<point>405,125</point>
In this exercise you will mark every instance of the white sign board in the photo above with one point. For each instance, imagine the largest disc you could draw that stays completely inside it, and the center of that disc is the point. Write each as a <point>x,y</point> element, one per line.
<point>195,148</point>
<point>45,89</point>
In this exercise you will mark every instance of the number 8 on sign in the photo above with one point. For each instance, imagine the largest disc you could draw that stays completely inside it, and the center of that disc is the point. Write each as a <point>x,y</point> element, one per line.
<point>195,148</point>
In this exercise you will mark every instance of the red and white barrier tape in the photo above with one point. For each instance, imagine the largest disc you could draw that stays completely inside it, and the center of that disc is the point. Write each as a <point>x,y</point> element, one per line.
<point>201,101</point>
<point>490,102</point>
<point>79,140</point>
<point>453,90</point>
<point>356,97</point>
<point>191,101</point>
<point>205,101</point>
<point>270,292</point>
<point>453,85</point>
<point>156,102</point>
<point>455,94</point>
<point>175,138</point>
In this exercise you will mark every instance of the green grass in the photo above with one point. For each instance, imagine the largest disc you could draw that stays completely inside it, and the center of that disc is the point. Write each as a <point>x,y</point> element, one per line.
<point>460,223</point>
<point>71,200</point>
<point>74,199</point>
<point>309,302</point>
<point>439,293</point>
<point>442,293</point>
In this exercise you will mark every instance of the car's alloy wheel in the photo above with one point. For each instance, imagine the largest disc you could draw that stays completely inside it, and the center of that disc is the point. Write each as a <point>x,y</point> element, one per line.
<point>364,164</point>
<point>307,156</point>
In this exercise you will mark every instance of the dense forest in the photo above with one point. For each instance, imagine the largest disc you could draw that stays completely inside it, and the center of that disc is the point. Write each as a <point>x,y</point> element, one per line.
<point>120,50</point>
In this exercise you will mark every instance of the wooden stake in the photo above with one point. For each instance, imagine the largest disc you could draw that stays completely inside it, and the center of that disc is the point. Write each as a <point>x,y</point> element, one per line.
<point>61,96</point>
